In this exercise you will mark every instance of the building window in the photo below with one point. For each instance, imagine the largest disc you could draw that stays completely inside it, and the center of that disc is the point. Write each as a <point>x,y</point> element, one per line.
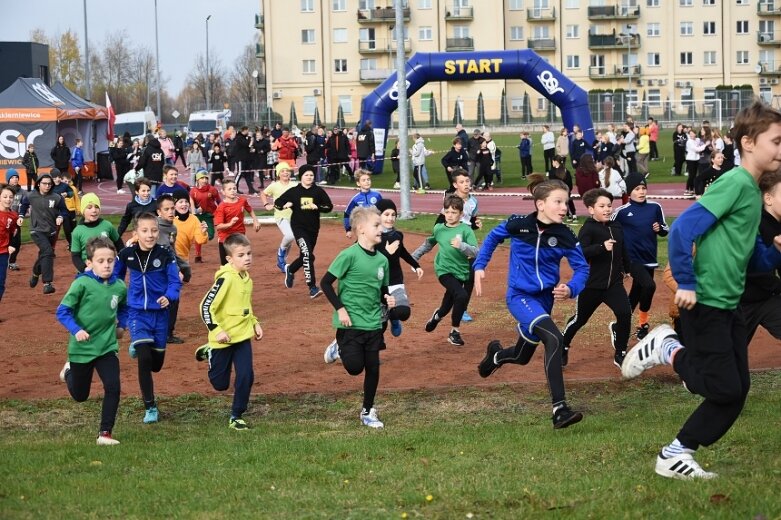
<point>339,5</point>
<point>709,28</point>
<point>516,33</point>
<point>542,104</point>
<point>309,66</point>
<point>685,3</point>
<point>709,58</point>
<point>573,31</point>
<point>742,27</point>
<point>307,36</point>
<point>516,5</point>
<point>425,34</point>
<point>573,61</point>
<point>654,30</point>
<point>742,58</point>
<point>654,98</point>
<point>571,4</point>
<point>365,4</point>
<point>708,2</point>
<point>424,4</point>
<point>340,65</point>
<point>461,31</point>
<point>654,59</point>
<point>687,28</point>
<point>516,104</point>
<point>741,2</point>
<point>652,3</point>
<point>346,102</point>
<point>686,58</point>
<point>307,6</point>
<point>310,102</point>
<point>425,102</point>
<point>340,36</point>
<point>369,64</point>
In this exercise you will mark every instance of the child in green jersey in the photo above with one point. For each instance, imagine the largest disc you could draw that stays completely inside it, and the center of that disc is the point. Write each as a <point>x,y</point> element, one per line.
<point>363,275</point>
<point>91,226</point>
<point>457,245</point>
<point>90,310</point>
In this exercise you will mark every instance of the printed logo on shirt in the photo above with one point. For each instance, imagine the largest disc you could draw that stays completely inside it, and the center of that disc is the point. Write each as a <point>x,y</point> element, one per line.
<point>373,200</point>
<point>158,157</point>
<point>114,302</point>
<point>306,202</point>
<point>629,214</point>
<point>103,234</point>
<point>156,262</point>
<point>51,203</point>
<point>380,273</point>
<point>553,241</point>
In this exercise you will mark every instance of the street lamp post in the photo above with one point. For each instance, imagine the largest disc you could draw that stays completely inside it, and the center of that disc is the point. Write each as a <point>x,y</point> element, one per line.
<point>255,95</point>
<point>628,38</point>
<point>208,69</point>
<point>157,66</point>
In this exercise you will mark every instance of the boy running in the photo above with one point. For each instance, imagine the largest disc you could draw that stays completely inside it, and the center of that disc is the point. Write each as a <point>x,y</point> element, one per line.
<point>229,216</point>
<point>206,198</point>
<point>91,226</point>
<point>281,216</point>
<point>365,198</point>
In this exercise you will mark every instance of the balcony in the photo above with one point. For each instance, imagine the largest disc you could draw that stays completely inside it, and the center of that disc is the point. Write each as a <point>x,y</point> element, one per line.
<point>459,13</point>
<point>613,12</point>
<point>375,75</point>
<point>765,9</point>
<point>381,15</point>
<point>539,14</point>
<point>259,22</point>
<point>771,38</point>
<point>611,41</point>
<point>381,46</point>
<point>460,44</point>
<point>616,72</point>
<point>260,50</point>
<point>542,44</point>
<point>770,68</point>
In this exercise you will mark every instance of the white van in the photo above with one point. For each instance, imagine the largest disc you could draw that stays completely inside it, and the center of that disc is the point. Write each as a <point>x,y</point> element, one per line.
<point>138,124</point>
<point>206,121</point>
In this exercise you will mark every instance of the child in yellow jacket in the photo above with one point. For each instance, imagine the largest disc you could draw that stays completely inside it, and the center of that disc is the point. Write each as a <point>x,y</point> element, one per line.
<point>227,312</point>
<point>189,230</point>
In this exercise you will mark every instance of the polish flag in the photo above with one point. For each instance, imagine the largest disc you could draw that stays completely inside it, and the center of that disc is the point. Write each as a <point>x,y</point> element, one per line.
<point>111,118</point>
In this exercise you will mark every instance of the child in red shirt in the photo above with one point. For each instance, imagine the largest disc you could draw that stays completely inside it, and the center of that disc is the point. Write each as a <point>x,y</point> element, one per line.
<point>229,216</point>
<point>206,198</point>
<point>8,229</point>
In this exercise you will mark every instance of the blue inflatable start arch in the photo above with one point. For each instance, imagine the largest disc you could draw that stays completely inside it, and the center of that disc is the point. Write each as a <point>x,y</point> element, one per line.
<point>524,64</point>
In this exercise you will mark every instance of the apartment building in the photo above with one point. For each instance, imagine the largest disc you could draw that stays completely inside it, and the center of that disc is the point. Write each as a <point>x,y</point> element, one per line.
<point>326,53</point>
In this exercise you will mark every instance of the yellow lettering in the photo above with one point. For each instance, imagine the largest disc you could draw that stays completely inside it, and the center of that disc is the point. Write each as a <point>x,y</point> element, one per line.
<point>496,62</point>
<point>461,64</point>
<point>485,66</point>
<point>472,67</point>
<point>450,67</point>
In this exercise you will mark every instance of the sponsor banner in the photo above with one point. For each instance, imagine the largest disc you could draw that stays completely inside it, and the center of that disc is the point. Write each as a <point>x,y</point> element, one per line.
<point>16,136</point>
<point>28,114</point>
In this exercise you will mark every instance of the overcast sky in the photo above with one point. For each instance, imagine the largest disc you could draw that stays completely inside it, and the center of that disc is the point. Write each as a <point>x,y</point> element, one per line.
<point>182,27</point>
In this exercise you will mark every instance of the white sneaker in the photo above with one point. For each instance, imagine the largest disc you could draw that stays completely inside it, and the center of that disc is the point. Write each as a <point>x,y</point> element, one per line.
<point>65,368</point>
<point>105,439</point>
<point>121,192</point>
<point>647,353</point>
<point>370,418</point>
<point>396,185</point>
<point>322,183</point>
<point>331,353</point>
<point>682,467</point>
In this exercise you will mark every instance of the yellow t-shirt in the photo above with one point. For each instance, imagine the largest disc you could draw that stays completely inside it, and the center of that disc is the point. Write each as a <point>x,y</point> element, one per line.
<point>275,190</point>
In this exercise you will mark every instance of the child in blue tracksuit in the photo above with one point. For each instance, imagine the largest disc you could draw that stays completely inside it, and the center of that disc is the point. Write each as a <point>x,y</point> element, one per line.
<point>154,283</point>
<point>77,163</point>
<point>525,151</point>
<point>538,242</point>
<point>365,198</point>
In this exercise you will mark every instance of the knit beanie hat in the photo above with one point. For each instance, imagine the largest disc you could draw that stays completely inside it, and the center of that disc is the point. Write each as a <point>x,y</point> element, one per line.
<point>384,204</point>
<point>89,198</point>
<point>282,166</point>
<point>10,172</point>
<point>633,180</point>
<point>304,168</point>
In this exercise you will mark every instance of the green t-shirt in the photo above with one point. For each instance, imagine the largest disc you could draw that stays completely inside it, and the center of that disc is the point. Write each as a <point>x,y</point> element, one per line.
<point>361,275</point>
<point>94,306</point>
<point>451,260</point>
<point>724,251</point>
<point>82,233</point>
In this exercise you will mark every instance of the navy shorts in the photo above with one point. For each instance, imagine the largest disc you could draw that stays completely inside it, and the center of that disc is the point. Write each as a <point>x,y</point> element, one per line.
<point>528,310</point>
<point>148,326</point>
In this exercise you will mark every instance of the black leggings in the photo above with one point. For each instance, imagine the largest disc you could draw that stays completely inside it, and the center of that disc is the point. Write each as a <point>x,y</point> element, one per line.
<point>643,286</point>
<point>248,176</point>
<point>456,297</point>
<point>306,241</point>
<point>32,181</point>
<point>149,360</point>
<point>691,170</point>
<point>44,264</point>
<point>522,352</point>
<point>79,381</point>
<point>367,361</point>
<point>589,299</point>
<point>16,241</point>
<point>173,313</point>
<point>548,155</point>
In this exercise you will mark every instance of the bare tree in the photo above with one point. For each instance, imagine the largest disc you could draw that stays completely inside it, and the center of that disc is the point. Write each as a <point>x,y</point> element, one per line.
<point>243,86</point>
<point>197,79</point>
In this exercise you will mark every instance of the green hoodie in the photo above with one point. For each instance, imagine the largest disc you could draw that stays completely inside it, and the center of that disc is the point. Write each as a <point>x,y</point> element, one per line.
<point>228,307</point>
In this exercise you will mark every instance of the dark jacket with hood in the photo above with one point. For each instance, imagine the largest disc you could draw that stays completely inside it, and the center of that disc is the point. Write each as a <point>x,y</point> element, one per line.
<point>365,142</point>
<point>152,162</point>
<point>606,268</point>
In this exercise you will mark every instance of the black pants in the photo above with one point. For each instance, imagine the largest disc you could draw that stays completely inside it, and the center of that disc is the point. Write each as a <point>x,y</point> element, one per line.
<point>456,298</point>
<point>691,171</point>
<point>79,381</point>
<point>680,159</point>
<point>589,299</point>
<point>306,241</point>
<point>68,225</point>
<point>631,161</point>
<point>237,356</point>
<point>523,351</point>
<point>766,313</point>
<point>334,170</point>
<point>360,352</point>
<point>16,241</point>
<point>526,165</point>
<point>548,155</point>
<point>149,361</point>
<point>173,313</point>
<point>32,180</point>
<point>654,150</point>
<point>44,264</point>
<point>643,286</point>
<point>714,365</point>
<point>248,176</point>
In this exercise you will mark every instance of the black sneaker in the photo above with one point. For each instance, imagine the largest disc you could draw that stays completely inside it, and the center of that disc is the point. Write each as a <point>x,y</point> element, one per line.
<point>48,288</point>
<point>618,359</point>
<point>611,327</point>
<point>487,365</point>
<point>34,280</point>
<point>13,267</point>
<point>289,277</point>
<point>174,340</point>
<point>563,417</point>
<point>202,352</point>
<point>564,356</point>
<point>455,338</point>
<point>433,322</point>
<point>642,331</point>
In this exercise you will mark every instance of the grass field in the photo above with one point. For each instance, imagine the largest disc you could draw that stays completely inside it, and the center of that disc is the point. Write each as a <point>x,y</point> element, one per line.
<point>458,453</point>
